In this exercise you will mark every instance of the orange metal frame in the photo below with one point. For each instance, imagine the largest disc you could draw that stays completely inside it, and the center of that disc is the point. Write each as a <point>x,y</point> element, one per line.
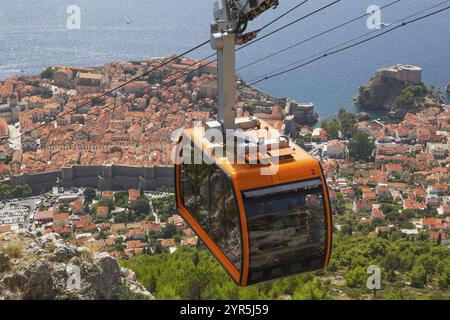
<point>226,263</point>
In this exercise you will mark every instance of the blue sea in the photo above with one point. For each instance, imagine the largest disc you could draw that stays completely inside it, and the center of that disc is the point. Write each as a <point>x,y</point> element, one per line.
<point>34,34</point>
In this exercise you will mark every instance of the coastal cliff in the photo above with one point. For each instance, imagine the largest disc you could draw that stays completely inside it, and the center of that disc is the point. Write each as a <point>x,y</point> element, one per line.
<point>379,93</point>
<point>395,90</point>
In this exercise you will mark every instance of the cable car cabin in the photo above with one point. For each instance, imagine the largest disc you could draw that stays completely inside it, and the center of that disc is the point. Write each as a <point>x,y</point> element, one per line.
<point>259,226</point>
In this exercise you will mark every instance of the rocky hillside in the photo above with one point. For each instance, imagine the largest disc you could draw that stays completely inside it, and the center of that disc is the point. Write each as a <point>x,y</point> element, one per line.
<point>379,93</point>
<point>47,268</point>
<point>393,96</point>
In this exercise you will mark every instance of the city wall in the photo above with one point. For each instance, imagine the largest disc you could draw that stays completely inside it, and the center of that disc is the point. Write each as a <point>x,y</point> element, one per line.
<point>102,177</point>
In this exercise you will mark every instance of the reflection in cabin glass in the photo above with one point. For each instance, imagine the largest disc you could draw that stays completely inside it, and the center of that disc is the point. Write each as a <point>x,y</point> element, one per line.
<point>287,232</point>
<point>208,196</point>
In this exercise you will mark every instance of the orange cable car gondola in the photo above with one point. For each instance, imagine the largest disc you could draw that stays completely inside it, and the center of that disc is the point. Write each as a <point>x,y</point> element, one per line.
<point>258,201</point>
<point>260,227</point>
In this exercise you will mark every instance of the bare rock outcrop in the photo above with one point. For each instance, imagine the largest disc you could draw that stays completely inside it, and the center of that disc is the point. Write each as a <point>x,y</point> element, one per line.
<point>4,261</point>
<point>396,91</point>
<point>48,268</point>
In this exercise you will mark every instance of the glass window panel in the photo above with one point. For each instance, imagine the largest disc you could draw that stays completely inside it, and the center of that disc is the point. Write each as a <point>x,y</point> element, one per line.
<point>287,233</point>
<point>208,196</point>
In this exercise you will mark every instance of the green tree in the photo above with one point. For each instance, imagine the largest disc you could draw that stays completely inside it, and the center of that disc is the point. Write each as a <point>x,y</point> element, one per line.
<point>356,278</point>
<point>141,206</point>
<point>361,147</point>
<point>393,295</point>
<point>47,73</point>
<point>251,293</point>
<point>439,240</point>
<point>165,205</point>
<point>332,127</point>
<point>19,191</point>
<point>429,264</point>
<point>102,235</point>
<point>118,244</point>
<point>121,199</point>
<point>107,203</point>
<point>409,94</point>
<point>125,217</point>
<point>288,286</point>
<point>392,262</point>
<point>312,290</point>
<point>346,228</point>
<point>195,274</point>
<point>418,276</point>
<point>409,213</point>
<point>158,248</point>
<point>444,277</point>
<point>176,276</point>
<point>169,231</point>
<point>89,195</point>
<point>348,123</point>
<point>46,94</point>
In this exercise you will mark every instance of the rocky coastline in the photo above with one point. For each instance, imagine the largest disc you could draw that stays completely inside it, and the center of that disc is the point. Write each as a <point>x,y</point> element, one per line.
<point>396,91</point>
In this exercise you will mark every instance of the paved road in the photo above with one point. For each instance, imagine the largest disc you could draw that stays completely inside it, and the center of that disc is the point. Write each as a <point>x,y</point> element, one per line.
<point>155,195</point>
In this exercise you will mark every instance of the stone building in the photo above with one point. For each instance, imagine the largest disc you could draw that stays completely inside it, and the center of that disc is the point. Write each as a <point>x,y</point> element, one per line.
<point>402,72</point>
<point>63,77</point>
<point>303,112</point>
